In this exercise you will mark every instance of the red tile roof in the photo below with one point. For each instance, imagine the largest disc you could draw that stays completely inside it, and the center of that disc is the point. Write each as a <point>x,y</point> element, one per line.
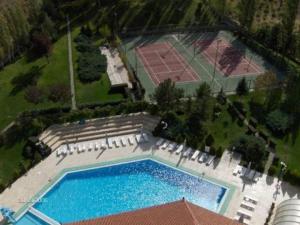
<point>175,213</point>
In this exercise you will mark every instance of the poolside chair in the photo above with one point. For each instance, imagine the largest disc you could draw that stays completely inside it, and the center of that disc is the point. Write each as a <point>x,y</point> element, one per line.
<point>90,147</point>
<point>171,146</point>
<point>251,199</point>
<point>83,148</point>
<point>248,205</point>
<point>195,155</point>
<point>244,171</point>
<point>165,145</point>
<point>187,152</point>
<point>257,176</point>
<point>244,213</point>
<point>203,157</point>
<point>72,149</point>
<point>116,142</point>
<point>58,152</point>
<point>251,174</point>
<point>123,141</point>
<point>138,138</point>
<point>210,159</point>
<point>237,170</point>
<point>97,147</point>
<point>109,143</point>
<point>207,149</point>
<point>160,142</point>
<point>145,136</point>
<point>131,140</point>
<point>64,150</point>
<point>179,149</point>
<point>103,145</point>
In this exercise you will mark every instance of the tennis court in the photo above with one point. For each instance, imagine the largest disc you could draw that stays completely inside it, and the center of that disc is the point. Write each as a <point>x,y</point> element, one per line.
<point>229,60</point>
<point>189,59</point>
<point>162,62</point>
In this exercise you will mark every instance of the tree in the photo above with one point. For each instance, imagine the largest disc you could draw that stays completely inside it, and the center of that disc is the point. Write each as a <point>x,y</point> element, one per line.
<point>246,11</point>
<point>278,122</point>
<point>105,31</point>
<point>242,88</point>
<point>266,81</point>
<point>203,103</point>
<point>59,93</point>
<point>42,44</point>
<point>34,94</point>
<point>252,148</point>
<point>167,96</point>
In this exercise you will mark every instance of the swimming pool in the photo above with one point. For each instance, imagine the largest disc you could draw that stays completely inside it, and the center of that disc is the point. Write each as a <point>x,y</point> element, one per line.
<point>103,191</point>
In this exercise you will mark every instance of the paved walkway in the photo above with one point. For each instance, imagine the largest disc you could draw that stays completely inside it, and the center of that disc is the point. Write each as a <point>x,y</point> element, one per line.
<point>71,69</point>
<point>266,190</point>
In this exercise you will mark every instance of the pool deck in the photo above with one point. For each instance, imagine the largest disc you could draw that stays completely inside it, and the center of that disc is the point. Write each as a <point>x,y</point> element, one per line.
<point>26,187</point>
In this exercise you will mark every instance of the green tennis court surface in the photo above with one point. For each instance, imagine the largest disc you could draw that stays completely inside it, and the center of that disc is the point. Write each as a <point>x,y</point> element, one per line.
<point>217,58</point>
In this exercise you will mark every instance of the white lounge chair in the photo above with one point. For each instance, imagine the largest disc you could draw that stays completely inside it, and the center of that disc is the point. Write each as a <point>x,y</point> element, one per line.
<point>72,149</point>
<point>109,143</point>
<point>247,214</point>
<point>90,148</point>
<point>237,170</point>
<point>195,155</point>
<point>138,138</point>
<point>123,141</point>
<point>116,142</point>
<point>103,145</point>
<point>210,159</point>
<point>257,176</point>
<point>97,147</point>
<point>58,152</point>
<point>207,149</point>
<point>203,157</point>
<point>83,149</point>
<point>160,142</point>
<point>187,152</point>
<point>248,205</point>
<point>171,146</point>
<point>145,136</point>
<point>250,199</point>
<point>244,171</point>
<point>64,150</point>
<point>131,140</point>
<point>251,174</point>
<point>165,145</point>
<point>179,149</point>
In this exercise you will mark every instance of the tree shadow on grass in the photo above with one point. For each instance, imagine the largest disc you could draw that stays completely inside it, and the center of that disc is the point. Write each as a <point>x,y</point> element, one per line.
<point>26,79</point>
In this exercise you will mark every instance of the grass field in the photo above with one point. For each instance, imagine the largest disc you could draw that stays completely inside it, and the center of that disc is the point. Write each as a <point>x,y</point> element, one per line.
<point>54,72</point>
<point>95,92</point>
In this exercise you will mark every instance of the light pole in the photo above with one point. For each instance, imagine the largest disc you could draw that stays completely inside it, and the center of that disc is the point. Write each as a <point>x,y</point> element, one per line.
<point>215,65</point>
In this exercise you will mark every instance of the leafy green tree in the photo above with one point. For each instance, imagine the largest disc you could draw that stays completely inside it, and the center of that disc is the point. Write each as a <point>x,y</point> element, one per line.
<point>246,11</point>
<point>266,81</point>
<point>278,122</point>
<point>59,93</point>
<point>252,148</point>
<point>167,96</point>
<point>242,87</point>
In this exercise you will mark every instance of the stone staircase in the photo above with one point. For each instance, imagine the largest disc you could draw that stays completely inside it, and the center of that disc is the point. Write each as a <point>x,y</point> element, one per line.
<point>93,129</point>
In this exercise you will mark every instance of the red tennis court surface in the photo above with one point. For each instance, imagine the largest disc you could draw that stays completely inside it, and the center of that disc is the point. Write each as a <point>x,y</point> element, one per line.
<point>162,61</point>
<point>230,60</point>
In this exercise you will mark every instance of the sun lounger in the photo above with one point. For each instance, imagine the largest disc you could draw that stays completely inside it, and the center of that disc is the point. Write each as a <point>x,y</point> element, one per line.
<point>58,152</point>
<point>72,149</point>
<point>203,157</point>
<point>210,159</point>
<point>97,147</point>
<point>90,148</point>
<point>195,155</point>
<point>130,140</point>
<point>243,171</point>
<point>139,138</point>
<point>83,149</point>
<point>171,146</point>
<point>257,176</point>
<point>103,144</point>
<point>116,142</point>
<point>165,145</point>
<point>109,143</point>
<point>160,142</point>
<point>244,213</point>
<point>237,170</point>
<point>250,199</point>
<point>248,205</point>
<point>242,219</point>
<point>251,174</point>
<point>187,152</point>
<point>64,150</point>
<point>123,141</point>
<point>179,149</point>
<point>145,136</point>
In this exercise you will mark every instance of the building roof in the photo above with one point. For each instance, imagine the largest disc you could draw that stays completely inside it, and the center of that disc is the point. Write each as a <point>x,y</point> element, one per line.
<point>288,212</point>
<point>175,213</point>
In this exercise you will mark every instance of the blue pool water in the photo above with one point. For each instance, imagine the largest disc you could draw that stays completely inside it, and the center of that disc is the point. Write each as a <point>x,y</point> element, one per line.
<point>114,189</point>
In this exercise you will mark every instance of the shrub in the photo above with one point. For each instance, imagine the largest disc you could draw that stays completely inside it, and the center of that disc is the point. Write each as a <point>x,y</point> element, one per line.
<point>292,176</point>
<point>59,93</point>
<point>209,140</point>
<point>34,94</point>
<point>242,88</point>
<point>272,171</point>
<point>219,152</point>
<point>278,122</point>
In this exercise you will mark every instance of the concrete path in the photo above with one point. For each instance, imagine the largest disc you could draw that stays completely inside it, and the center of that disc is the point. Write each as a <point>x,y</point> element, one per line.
<point>71,70</point>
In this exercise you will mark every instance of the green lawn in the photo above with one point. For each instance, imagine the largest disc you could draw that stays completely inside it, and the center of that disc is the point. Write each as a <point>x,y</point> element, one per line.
<point>9,162</point>
<point>224,129</point>
<point>54,72</point>
<point>95,92</point>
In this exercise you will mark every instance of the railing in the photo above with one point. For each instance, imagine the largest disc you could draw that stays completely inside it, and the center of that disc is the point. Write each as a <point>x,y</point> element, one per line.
<point>43,217</point>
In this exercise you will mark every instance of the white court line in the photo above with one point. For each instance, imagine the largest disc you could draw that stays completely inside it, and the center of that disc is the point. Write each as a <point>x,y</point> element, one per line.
<point>217,82</point>
<point>149,70</point>
<point>185,64</point>
<point>162,60</point>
